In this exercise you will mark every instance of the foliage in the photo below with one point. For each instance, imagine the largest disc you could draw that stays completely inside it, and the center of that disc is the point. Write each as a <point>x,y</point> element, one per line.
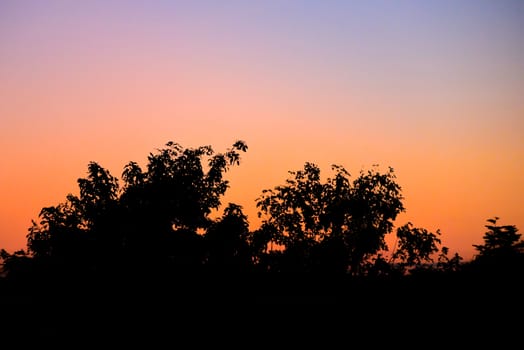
<point>308,214</point>
<point>157,220</point>
<point>376,200</point>
<point>503,248</point>
<point>416,246</point>
<point>177,188</point>
<point>227,241</point>
<point>500,240</point>
<point>106,224</point>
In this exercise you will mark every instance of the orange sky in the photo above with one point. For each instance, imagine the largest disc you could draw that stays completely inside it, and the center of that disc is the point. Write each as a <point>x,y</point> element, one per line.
<point>433,89</point>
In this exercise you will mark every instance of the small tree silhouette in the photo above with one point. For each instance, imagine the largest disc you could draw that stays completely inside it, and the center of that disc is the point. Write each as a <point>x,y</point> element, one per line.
<point>416,247</point>
<point>227,242</point>
<point>502,251</point>
<point>339,220</point>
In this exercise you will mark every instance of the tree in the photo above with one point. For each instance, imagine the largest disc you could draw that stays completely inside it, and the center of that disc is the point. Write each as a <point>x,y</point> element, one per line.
<point>60,232</point>
<point>500,240</point>
<point>78,235</point>
<point>108,225</point>
<point>176,190</point>
<point>261,240</point>
<point>16,266</point>
<point>351,218</point>
<point>98,194</point>
<point>503,248</point>
<point>448,264</point>
<point>416,247</point>
<point>375,201</point>
<point>175,195</point>
<point>227,242</point>
<point>296,211</point>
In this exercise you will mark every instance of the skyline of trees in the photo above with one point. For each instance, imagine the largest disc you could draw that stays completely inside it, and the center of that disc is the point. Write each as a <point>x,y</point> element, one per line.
<point>159,218</point>
<point>143,256</point>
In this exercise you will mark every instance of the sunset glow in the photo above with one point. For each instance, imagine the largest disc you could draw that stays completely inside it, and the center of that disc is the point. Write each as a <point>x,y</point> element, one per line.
<point>434,89</point>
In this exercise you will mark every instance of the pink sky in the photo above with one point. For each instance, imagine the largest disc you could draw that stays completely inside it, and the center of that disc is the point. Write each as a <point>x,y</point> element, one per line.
<point>433,89</point>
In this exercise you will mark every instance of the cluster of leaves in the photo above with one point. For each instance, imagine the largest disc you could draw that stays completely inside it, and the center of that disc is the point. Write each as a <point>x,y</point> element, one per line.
<point>149,222</point>
<point>159,220</point>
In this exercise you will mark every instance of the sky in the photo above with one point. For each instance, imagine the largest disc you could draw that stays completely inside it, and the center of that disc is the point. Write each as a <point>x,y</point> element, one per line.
<point>433,89</point>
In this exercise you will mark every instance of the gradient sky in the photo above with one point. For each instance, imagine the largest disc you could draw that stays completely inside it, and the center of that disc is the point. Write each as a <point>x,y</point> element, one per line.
<point>434,89</point>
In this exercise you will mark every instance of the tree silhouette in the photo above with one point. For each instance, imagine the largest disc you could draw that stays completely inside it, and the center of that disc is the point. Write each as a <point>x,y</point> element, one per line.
<point>416,246</point>
<point>176,186</point>
<point>176,194</point>
<point>227,242</point>
<point>419,250</point>
<point>153,231</point>
<point>151,223</point>
<point>159,222</point>
<point>502,251</point>
<point>261,241</point>
<point>374,204</point>
<point>341,220</point>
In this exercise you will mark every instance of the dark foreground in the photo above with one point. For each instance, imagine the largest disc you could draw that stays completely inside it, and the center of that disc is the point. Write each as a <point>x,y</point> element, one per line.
<point>276,311</point>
